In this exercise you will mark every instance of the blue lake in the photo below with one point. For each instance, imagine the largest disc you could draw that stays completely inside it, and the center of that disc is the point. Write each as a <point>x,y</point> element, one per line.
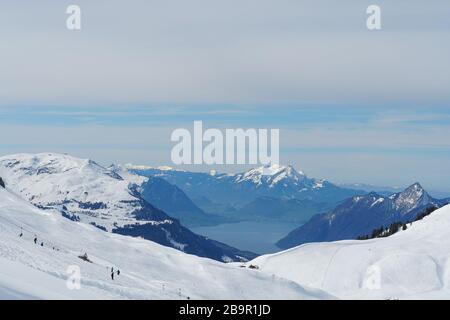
<point>257,237</point>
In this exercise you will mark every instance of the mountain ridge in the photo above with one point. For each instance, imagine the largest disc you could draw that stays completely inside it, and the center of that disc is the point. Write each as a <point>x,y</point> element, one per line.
<point>360,215</point>
<point>226,194</point>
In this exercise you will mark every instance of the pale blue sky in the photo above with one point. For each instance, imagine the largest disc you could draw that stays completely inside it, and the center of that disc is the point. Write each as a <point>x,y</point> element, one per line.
<point>352,105</point>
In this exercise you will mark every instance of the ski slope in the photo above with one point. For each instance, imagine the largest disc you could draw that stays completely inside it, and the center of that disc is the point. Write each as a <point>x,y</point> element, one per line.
<point>411,264</point>
<point>148,270</point>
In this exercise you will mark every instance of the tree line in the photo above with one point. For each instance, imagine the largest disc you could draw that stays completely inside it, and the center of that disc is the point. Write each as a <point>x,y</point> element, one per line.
<point>383,232</point>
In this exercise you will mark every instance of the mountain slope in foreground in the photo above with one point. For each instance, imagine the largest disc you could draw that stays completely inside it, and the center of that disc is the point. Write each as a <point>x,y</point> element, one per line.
<point>148,270</point>
<point>411,264</point>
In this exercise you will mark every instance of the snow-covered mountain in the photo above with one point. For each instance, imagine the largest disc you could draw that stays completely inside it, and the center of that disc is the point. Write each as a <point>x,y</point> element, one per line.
<point>82,190</point>
<point>411,264</point>
<point>215,191</point>
<point>274,175</point>
<point>360,215</point>
<point>148,270</point>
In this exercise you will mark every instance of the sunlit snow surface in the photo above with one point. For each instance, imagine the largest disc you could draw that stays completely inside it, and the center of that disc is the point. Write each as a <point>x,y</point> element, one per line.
<point>148,270</point>
<point>411,264</point>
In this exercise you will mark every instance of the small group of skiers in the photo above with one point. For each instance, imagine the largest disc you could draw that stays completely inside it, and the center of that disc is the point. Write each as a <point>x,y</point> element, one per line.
<point>42,244</point>
<point>112,273</point>
<point>35,240</point>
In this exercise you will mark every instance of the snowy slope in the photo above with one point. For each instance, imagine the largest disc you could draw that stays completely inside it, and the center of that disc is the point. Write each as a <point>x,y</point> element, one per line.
<point>414,263</point>
<point>148,270</point>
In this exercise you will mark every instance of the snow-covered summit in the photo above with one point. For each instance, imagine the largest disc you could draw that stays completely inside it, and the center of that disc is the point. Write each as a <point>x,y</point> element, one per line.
<point>271,175</point>
<point>54,163</point>
<point>80,187</point>
<point>276,169</point>
<point>411,198</point>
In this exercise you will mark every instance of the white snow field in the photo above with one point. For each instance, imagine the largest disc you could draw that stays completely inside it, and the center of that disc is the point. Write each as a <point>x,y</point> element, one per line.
<point>148,270</point>
<point>55,180</point>
<point>411,264</point>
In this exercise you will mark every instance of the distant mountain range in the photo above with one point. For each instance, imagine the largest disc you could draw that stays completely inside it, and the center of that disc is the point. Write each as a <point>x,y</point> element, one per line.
<point>360,215</point>
<point>267,192</point>
<point>84,191</point>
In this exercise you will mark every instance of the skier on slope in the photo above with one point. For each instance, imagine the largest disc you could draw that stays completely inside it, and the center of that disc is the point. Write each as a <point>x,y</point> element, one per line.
<point>35,240</point>
<point>112,275</point>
